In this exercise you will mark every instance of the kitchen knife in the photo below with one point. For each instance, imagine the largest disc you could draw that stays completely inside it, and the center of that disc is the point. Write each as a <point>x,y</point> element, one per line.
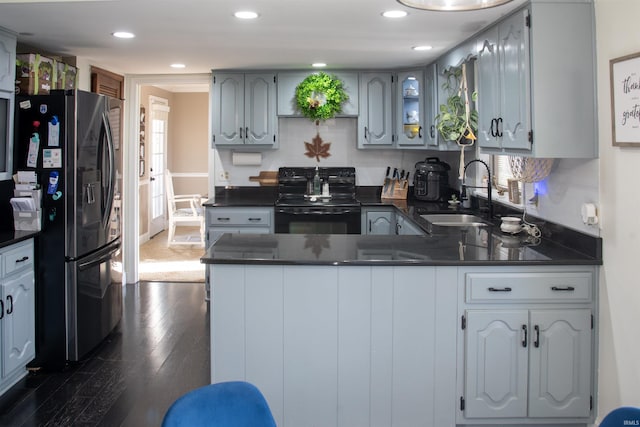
<point>386,180</point>
<point>394,178</point>
<point>406,180</point>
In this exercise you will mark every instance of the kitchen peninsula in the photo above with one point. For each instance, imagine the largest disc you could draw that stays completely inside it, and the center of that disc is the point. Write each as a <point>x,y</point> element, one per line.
<point>464,326</point>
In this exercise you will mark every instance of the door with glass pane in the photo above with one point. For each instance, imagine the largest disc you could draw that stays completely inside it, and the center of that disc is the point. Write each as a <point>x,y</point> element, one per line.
<point>158,143</point>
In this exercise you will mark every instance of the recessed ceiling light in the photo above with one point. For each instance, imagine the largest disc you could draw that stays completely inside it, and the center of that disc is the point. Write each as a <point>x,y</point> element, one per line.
<point>318,64</point>
<point>177,65</point>
<point>394,14</point>
<point>422,47</point>
<point>245,14</point>
<point>123,35</point>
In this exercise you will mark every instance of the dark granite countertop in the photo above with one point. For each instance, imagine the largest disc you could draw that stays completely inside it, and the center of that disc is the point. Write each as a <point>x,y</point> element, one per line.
<point>8,238</point>
<point>243,196</point>
<point>444,246</point>
<point>459,246</point>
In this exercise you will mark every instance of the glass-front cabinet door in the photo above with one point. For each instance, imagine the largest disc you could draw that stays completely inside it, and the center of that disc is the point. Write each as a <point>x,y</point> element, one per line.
<point>410,119</point>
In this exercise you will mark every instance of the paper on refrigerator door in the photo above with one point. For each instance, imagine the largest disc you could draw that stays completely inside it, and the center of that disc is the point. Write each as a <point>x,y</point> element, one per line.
<point>34,147</point>
<point>23,204</point>
<point>53,139</point>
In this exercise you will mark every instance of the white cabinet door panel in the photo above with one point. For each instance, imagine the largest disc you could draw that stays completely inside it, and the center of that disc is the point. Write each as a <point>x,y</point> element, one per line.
<point>560,363</point>
<point>496,364</point>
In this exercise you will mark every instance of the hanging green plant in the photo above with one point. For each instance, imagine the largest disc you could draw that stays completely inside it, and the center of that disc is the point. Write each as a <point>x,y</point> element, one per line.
<point>320,96</point>
<point>452,121</point>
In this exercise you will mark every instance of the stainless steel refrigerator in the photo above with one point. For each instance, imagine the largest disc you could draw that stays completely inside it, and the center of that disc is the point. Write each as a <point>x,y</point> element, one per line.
<point>71,139</point>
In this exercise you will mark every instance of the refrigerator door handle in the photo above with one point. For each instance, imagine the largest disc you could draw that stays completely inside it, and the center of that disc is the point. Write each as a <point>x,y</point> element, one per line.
<point>107,201</point>
<point>103,255</point>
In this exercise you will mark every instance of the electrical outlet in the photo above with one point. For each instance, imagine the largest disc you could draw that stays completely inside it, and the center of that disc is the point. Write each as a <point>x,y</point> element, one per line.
<point>224,176</point>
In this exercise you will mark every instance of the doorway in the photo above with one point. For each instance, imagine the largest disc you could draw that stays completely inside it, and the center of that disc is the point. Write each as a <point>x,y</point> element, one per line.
<point>158,135</point>
<point>138,191</point>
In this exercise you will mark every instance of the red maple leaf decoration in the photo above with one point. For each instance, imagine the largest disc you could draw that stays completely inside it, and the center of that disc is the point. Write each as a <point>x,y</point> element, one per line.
<point>317,148</point>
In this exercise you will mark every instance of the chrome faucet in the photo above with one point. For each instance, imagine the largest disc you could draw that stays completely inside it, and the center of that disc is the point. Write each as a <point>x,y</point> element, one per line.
<point>489,202</point>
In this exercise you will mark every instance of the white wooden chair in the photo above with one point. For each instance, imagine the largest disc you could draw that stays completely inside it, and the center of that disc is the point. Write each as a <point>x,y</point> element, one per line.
<point>184,210</point>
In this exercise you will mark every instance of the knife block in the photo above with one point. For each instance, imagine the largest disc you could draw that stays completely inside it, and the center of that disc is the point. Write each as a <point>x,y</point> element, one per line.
<point>397,189</point>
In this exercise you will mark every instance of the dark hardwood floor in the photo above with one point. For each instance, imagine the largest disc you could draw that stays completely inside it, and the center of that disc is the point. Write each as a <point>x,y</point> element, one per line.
<point>159,351</point>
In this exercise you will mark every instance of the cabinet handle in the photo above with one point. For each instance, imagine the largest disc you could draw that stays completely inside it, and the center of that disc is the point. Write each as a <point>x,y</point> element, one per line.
<point>563,288</point>
<point>255,219</point>
<point>222,219</point>
<point>420,132</point>
<point>536,343</point>
<point>23,259</point>
<point>492,289</point>
<point>366,136</point>
<point>499,127</point>
<point>1,309</point>
<point>492,130</point>
<point>241,137</point>
<point>524,339</point>
<point>246,132</point>
<point>10,301</point>
<point>370,226</point>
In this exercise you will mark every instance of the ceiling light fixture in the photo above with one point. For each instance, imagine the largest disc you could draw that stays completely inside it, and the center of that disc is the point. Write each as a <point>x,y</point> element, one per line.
<point>178,65</point>
<point>394,14</point>
<point>245,14</point>
<point>123,35</point>
<point>318,65</point>
<point>452,5</point>
<point>426,47</point>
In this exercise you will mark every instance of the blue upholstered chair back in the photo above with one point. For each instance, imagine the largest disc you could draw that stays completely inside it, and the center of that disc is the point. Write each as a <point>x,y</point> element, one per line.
<point>625,416</point>
<point>228,404</point>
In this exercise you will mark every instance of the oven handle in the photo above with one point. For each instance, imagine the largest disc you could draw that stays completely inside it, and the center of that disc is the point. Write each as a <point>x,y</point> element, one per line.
<point>319,211</point>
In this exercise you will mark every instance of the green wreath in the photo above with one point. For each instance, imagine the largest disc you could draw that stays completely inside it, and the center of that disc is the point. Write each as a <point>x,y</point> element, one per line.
<point>320,96</point>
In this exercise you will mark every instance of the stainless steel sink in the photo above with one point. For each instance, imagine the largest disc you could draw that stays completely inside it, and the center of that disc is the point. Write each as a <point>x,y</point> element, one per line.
<point>454,220</point>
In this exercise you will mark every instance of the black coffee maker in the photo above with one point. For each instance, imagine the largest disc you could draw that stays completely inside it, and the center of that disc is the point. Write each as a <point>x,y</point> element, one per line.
<point>431,180</point>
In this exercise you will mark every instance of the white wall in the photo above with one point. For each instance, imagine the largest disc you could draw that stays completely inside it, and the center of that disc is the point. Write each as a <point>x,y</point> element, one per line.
<point>618,34</point>
<point>341,133</point>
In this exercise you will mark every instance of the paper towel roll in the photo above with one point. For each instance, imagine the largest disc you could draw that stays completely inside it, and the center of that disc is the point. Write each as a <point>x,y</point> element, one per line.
<point>246,159</point>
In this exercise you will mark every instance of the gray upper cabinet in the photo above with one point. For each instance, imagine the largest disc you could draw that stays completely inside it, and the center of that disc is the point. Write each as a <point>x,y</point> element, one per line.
<point>7,62</point>
<point>503,81</point>
<point>430,105</point>
<point>533,98</point>
<point>375,122</point>
<point>410,95</point>
<point>244,110</point>
<point>7,91</point>
<point>289,80</point>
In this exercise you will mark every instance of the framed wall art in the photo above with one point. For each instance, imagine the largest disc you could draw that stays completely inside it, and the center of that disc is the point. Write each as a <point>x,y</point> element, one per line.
<point>625,100</point>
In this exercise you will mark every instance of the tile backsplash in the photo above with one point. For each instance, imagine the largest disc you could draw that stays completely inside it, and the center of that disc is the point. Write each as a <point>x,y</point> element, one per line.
<point>341,133</point>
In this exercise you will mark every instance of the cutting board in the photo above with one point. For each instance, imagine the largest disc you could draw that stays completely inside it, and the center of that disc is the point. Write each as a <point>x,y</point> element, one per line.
<point>266,178</point>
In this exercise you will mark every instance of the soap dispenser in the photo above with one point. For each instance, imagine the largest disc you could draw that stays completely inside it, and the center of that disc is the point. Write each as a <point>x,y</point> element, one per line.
<point>316,182</point>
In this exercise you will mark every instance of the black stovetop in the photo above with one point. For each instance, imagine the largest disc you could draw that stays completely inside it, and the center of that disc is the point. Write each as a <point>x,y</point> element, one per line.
<point>294,186</point>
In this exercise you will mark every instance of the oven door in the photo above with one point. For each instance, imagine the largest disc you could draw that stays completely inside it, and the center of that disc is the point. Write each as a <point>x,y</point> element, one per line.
<point>317,220</point>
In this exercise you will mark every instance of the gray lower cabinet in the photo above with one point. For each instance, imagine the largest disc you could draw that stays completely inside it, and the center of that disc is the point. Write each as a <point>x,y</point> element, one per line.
<point>405,226</point>
<point>17,316</point>
<point>244,110</point>
<point>378,221</point>
<point>528,345</point>
<point>235,220</point>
